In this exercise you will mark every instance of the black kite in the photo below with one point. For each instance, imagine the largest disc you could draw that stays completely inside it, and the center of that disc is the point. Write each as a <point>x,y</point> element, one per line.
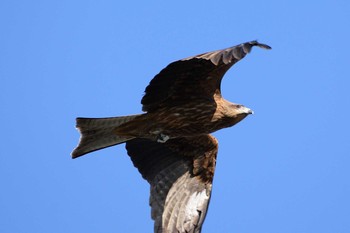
<point>171,144</point>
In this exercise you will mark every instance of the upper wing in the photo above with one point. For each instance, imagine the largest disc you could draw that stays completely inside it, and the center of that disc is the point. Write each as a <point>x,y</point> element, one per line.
<point>197,76</point>
<point>180,173</point>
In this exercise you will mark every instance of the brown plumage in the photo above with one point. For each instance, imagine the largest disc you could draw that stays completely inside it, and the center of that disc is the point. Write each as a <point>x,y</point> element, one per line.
<point>170,143</point>
<point>180,173</point>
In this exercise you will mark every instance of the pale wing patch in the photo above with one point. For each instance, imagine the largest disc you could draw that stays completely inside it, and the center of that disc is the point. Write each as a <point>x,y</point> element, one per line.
<point>186,205</point>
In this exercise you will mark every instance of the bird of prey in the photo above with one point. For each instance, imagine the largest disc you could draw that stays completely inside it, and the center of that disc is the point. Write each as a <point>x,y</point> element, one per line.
<point>170,144</point>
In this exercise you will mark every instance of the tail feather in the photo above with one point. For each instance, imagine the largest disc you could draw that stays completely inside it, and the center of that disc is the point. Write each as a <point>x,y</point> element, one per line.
<point>98,133</point>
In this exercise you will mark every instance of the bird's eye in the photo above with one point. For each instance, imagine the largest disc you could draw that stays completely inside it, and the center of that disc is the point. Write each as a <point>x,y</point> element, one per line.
<point>238,106</point>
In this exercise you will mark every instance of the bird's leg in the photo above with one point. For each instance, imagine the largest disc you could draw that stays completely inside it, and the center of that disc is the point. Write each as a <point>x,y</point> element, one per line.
<point>159,136</point>
<point>162,138</point>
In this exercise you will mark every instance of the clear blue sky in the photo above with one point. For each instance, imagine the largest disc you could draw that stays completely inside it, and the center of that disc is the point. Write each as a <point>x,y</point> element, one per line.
<point>285,169</point>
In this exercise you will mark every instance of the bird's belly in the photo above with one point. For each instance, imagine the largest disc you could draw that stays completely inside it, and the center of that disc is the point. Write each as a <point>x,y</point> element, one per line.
<point>177,125</point>
<point>185,121</point>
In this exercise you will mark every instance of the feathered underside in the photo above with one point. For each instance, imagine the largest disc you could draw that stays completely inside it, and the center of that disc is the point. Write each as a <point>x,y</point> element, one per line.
<point>183,103</point>
<point>193,77</point>
<point>180,173</point>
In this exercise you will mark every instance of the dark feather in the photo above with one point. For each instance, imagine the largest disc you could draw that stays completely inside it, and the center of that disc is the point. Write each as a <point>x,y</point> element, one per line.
<point>193,77</point>
<point>180,173</point>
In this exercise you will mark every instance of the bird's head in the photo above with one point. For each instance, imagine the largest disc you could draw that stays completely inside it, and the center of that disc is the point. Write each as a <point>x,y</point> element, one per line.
<point>236,112</point>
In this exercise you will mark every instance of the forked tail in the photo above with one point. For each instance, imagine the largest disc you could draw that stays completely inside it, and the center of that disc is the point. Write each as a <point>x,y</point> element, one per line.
<point>98,133</point>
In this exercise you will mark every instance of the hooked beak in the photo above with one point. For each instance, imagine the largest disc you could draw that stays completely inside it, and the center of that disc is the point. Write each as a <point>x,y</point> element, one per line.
<point>247,110</point>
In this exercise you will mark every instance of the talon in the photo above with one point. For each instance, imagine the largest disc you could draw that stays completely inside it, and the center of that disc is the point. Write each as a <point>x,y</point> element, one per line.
<point>162,138</point>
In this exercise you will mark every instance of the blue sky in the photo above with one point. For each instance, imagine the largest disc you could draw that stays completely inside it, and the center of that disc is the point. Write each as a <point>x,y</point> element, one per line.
<point>284,169</point>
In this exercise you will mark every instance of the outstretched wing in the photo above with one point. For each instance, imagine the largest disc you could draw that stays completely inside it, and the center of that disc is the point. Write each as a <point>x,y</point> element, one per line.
<point>180,173</point>
<point>193,77</point>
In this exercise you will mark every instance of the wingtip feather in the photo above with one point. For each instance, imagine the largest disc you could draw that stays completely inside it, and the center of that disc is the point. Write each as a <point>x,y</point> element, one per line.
<point>260,45</point>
